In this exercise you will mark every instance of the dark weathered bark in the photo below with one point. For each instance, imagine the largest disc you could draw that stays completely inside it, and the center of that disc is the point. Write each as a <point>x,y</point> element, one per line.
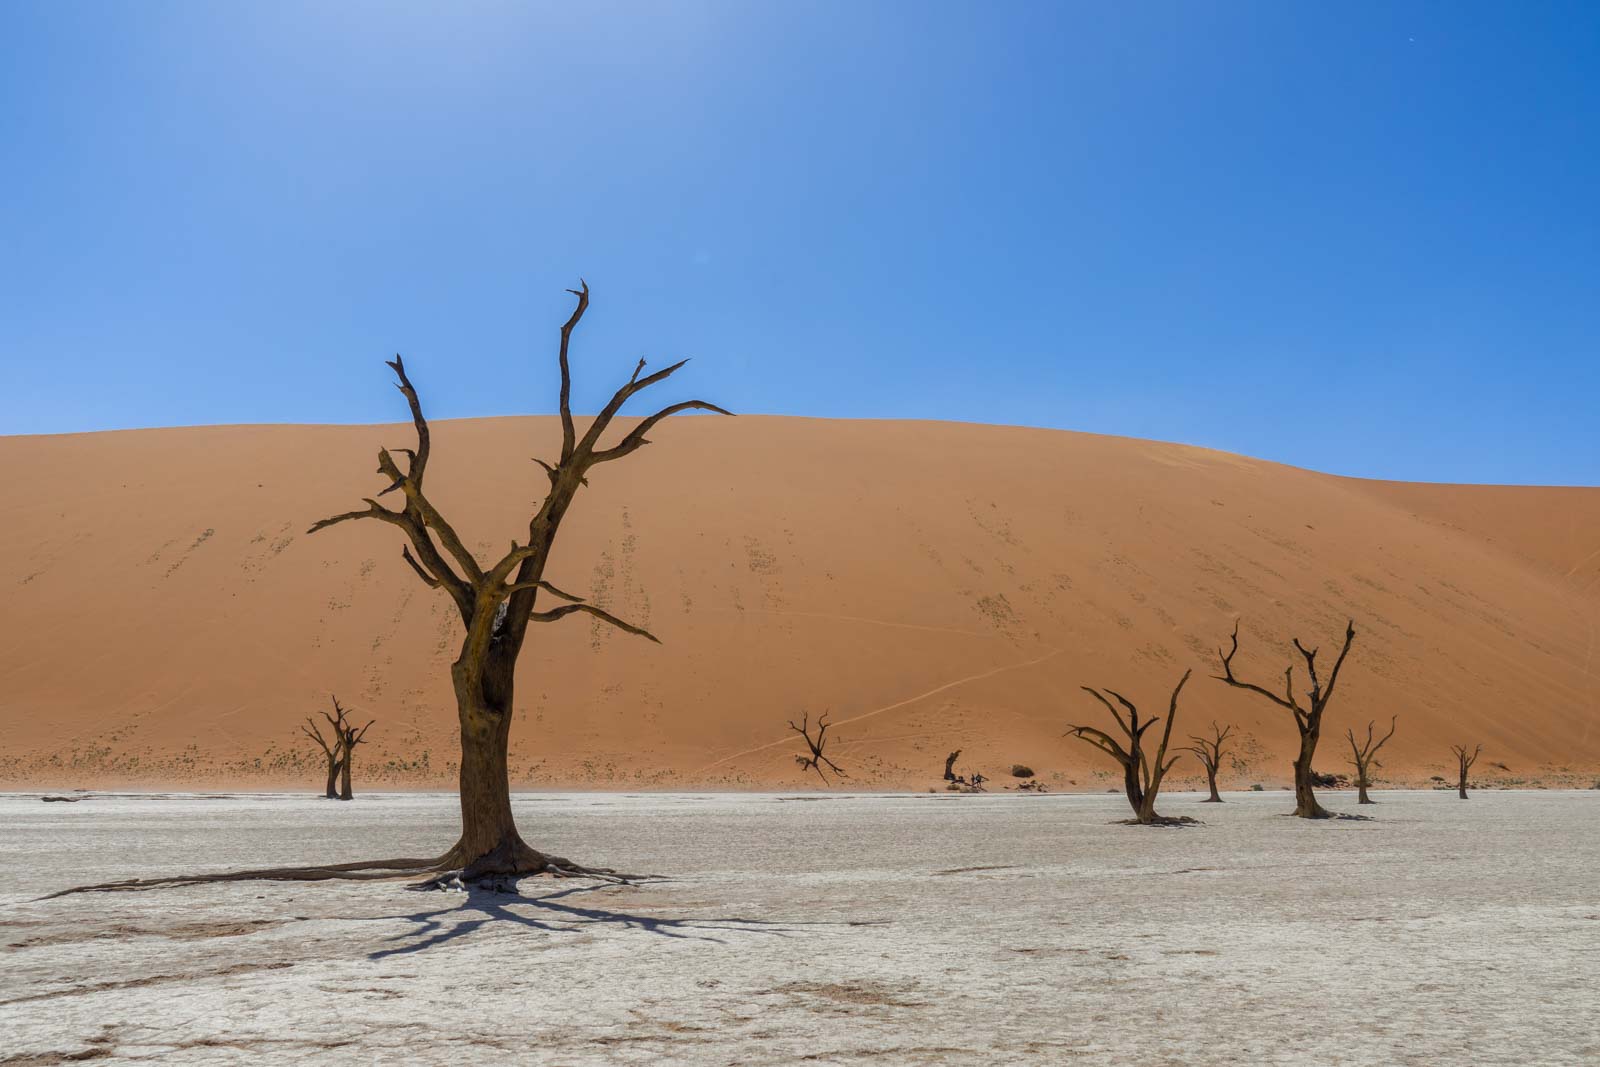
<point>1364,755</point>
<point>1208,750</point>
<point>1141,778</point>
<point>816,759</point>
<point>1307,720</point>
<point>1464,762</point>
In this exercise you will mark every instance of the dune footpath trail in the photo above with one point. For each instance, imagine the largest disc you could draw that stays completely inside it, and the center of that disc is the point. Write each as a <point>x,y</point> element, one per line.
<point>168,622</point>
<point>935,691</point>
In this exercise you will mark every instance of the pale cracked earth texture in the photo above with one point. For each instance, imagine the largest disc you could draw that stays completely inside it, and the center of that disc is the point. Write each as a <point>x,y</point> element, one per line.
<point>851,929</point>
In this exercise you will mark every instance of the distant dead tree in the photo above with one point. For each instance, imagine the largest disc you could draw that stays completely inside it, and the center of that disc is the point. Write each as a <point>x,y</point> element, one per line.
<point>816,759</point>
<point>1208,750</point>
<point>950,765</point>
<point>1464,762</point>
<point>339,750</point>
<point>349,738</point>
<point>1141,777</point>
<point>1363,756</point>
<point>333,750</point>
<point>496,604</point>
<point>1308,720</point>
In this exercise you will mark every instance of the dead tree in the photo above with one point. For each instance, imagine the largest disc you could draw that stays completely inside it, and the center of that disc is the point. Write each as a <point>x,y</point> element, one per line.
<point>496,604</point>
<point>1363,756</point>
<point>950,765</point>
<point>349,738</point>
<point>1208,750</point>
<point>332,750</point>
<point>1141,777</point>
<point>816,759</point>
<point>1464,762</point>
<point>1307,719</point>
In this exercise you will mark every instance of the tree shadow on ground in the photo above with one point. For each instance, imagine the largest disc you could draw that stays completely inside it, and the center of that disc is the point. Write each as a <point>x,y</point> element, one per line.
<point>548,914</point>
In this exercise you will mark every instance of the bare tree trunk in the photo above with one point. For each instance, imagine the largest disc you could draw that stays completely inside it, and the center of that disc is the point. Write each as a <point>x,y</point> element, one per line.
<point>1305,798</point>
<point>1135,792</point>
<point>490,843</point>
<point>1464,761</point>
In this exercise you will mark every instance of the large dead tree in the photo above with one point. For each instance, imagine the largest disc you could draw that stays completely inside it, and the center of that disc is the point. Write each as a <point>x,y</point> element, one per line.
<point>496,604</point>
<point>816,759</point>
<point>1364,757</point>
<point>1208,750</point>
<point>1464,762</point>
<point>1141,777</point>
<point>1308,720</point>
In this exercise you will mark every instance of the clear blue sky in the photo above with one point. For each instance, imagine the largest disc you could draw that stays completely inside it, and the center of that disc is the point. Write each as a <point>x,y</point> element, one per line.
<point>1362,238</point>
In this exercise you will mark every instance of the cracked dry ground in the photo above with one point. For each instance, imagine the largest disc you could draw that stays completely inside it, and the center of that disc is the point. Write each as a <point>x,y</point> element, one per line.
<point>851,929</point>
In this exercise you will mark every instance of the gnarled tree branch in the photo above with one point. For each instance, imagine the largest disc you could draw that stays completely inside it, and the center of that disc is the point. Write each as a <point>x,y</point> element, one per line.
<point>600,613</point>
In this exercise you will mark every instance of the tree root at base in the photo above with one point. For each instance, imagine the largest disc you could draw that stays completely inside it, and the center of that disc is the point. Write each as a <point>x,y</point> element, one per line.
<point>443,872</point>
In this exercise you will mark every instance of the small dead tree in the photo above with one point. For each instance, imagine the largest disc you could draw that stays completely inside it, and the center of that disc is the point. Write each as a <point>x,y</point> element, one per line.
<point>1464,762</point>
<point>1307,719</point>
<point>331,749</point>
<point>349,738</point>
<point>816,759</point>
<point>1141,777</point>
<point>1208,750</point>
<point>1363,756</point>
<point>950,765</point>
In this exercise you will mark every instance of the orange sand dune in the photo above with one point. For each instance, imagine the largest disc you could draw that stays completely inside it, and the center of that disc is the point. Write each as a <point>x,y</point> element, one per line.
<point>936,586</point>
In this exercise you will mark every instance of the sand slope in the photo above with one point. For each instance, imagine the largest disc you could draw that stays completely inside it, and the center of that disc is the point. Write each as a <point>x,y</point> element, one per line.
<point>937,586</point>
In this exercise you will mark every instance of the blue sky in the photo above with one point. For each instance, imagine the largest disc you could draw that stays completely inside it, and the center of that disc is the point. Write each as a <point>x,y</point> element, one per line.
<point>1359,237</point>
